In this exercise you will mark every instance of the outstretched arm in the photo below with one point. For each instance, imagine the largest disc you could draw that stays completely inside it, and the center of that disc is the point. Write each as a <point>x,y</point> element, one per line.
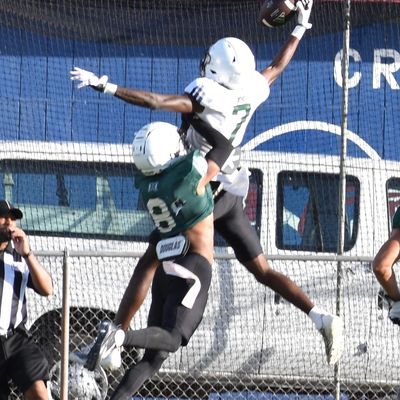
<point>138,287</point>
<point>282,59</point>
<point>155,101</point>
<point>141,98</point>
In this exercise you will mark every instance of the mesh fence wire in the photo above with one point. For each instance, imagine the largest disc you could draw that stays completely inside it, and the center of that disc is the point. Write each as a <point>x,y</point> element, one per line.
<point>71,149</point>
<point>251,344</point>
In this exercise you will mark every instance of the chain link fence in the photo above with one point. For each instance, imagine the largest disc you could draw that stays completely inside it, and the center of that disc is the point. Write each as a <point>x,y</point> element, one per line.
<point>251,343</point>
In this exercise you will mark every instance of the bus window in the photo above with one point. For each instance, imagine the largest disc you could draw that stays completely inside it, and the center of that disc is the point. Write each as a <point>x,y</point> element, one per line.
<point>307,211</point>
<point>393,198</point>
<point>73,199</point>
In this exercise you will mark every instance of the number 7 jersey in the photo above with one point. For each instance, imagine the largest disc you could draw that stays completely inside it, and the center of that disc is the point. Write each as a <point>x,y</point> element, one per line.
<point>226,110</point>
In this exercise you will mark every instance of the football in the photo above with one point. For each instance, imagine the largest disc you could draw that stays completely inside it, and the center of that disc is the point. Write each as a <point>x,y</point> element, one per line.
<point>275,13</point>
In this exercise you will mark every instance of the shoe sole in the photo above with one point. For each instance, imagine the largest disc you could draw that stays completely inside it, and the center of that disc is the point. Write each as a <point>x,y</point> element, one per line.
<point>338,344</point>
<point>93,359</point>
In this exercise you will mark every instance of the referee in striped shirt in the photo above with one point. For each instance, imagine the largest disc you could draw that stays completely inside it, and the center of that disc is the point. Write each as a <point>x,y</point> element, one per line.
<point>21,360</point>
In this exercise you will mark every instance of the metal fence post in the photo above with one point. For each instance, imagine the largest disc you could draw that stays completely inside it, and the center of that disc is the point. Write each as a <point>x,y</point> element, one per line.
<point>65,327</point>
<point>342,189</point>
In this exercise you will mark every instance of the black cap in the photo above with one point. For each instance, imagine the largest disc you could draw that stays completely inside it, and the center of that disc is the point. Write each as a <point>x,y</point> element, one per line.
<point>7,209</point>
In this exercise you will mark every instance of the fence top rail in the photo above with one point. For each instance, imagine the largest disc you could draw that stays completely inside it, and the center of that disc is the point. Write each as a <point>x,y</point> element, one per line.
<point>219,256</point>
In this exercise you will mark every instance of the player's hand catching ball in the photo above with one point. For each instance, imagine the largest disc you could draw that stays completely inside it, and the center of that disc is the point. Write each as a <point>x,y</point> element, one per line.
<point>303,13</point>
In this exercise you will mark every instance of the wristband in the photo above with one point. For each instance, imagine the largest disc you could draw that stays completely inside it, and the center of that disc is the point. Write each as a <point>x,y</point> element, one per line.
<point>27,254</point>
<point>110,88</point>
<point>299,31</point>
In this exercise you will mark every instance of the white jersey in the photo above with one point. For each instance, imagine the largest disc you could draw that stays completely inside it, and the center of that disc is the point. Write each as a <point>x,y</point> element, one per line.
<point>229,112</point>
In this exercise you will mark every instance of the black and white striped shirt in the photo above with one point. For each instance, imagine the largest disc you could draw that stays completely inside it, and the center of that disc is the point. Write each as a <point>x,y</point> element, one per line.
<point>14,279</point>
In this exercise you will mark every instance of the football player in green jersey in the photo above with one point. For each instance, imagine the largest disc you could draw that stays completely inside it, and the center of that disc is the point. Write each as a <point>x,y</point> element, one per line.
<point>177,260</point>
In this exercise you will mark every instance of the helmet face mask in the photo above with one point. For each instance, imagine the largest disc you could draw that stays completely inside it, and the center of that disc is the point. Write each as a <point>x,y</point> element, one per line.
<point>228,62</point>
<point>155,146</point>
<point>204,62</point>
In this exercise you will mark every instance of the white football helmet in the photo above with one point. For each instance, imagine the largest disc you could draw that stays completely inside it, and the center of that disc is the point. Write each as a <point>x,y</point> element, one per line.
<point>227,62</point>
<point>155,146</point>
<point>82,383</point>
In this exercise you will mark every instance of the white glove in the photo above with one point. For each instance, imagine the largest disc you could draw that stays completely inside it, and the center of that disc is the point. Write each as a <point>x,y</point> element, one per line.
<point>113,361</point>
<point>88,78</point>
<point>303,13</point>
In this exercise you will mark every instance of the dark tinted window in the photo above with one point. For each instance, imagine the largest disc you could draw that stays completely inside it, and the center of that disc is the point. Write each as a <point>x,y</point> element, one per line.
<point>75,199</point>
<point>307,211</point>
<point>393,198</point>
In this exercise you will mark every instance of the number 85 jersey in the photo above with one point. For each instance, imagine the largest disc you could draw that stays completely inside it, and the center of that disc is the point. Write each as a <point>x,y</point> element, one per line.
<point>226,110</point>
<point>171,196</point>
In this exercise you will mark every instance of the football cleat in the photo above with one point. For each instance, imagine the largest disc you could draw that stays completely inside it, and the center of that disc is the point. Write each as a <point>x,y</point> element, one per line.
<point>394,310</point>
<point>113,361</point>
<point>332,332</point>
<point>109,337</point>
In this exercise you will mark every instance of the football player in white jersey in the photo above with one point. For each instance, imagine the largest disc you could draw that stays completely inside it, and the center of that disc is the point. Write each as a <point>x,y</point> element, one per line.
<point>216,109</point>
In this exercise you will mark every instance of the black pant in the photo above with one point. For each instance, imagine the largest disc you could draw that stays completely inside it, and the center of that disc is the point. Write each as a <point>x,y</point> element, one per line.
<point>232,223</point>
<point>21,361</point>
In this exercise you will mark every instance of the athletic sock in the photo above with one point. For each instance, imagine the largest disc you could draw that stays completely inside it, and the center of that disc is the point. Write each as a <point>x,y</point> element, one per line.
<point>316,314</point>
